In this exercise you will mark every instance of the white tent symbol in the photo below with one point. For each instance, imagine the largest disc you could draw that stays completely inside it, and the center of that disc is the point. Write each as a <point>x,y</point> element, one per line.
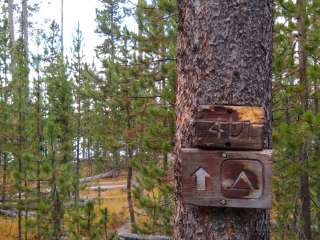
<point>242,182</point>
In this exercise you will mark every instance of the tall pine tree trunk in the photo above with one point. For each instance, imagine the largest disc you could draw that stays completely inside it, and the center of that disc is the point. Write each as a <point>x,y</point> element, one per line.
<point>224,56</point>
<point>39,148</point>
<point>24,26</point>
<point>25,38</point>
<point>304,177</point>
<point>10,20</point>
<point>12,35</point>
<point>78,80</point>
<point>317,147</point>
<point>129,155</point>
<point>4,178</point>
<point>62,27</point>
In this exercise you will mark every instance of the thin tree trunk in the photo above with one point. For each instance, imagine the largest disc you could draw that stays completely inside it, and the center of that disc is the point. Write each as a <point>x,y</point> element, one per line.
<point>129,195</point>
<point>4,94</point>
<point>130,170</point>
<point>78,157</point>
<point>38,234</point>
<point>12,35</point>
<point>165,170</point>
<point>165,120</point>
<point>316,96</point>
<point>56,204</point>
<point>89,222</point>
<point>20,173</point>
<point>19,154</point>
<point>90,157</point>
<point>317,147</point>
<point>24,26</point>
<point>304,178</point>
<point>105,225</point>
<point>62,27</point>
<point>78,128</point>
<point>39,145</point>
<point>25,208</point>
<point>78,99</point>
<point>11,21</point>
<point>4,178</point>
<point>224,56</point>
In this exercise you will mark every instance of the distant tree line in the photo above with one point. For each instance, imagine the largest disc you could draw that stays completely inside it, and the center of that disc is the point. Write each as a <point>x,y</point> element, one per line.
<point>60,115</point>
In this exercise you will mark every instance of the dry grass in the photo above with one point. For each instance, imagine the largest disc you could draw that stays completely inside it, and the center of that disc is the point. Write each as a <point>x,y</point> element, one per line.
<point>115,200</point>
<point>8,228</point>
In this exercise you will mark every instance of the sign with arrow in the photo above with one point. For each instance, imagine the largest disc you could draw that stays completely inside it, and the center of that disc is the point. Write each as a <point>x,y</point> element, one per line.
<point>220,178</point>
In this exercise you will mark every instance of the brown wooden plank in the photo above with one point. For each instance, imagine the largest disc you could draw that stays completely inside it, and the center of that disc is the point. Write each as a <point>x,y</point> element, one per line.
<point>239,179</point>
<point>229,127</point>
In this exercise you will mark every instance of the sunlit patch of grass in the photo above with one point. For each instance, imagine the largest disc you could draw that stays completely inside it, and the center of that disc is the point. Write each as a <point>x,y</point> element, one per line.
<point>115,200</point>
<point>8,228</point>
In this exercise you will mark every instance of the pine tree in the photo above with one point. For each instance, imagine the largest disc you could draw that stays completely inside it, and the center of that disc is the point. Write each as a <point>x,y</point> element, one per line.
<point>58,130</point>
<point>77,69</point>
<point>116,89</point>
<point>295,116</point>
<point>20,85</point>
<point>38,145</point>
<point>4,96</point>
<point>155,44</point>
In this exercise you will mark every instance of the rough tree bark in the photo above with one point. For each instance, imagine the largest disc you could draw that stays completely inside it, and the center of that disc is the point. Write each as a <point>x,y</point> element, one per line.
<point>224,56</point>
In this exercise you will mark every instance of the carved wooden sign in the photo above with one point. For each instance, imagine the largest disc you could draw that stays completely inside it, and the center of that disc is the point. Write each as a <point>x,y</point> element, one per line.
<point>239,179</point>
<point>229,127</point>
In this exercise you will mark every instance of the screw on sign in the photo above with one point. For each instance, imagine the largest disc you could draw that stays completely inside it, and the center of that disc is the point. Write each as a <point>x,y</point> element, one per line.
<point>227,178</point>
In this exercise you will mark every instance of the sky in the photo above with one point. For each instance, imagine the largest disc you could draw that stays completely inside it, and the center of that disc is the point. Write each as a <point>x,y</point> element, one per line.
<point>82,11</point>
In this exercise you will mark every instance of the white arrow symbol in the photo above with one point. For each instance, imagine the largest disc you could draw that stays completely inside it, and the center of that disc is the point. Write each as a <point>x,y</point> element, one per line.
<point>201,175</point>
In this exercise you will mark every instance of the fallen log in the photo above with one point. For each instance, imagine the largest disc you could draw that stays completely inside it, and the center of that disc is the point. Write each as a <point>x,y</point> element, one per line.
<point>131,236</point>
<point>107,187</point>
<point>8,213</point>
<point>112,173</point>
<point>14,213</point>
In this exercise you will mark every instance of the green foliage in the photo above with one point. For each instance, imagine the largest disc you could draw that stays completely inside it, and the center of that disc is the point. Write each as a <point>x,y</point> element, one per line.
<point>294,127</point>
<point>155,44</point>
<point>83,223</point>
<point>120,116</point>
<point>138,91</point>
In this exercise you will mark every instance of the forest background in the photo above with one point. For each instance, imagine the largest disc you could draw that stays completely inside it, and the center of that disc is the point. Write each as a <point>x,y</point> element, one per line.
<point>64,118</point>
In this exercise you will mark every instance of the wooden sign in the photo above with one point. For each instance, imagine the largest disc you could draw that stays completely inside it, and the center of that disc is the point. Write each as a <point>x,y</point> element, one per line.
<point>240,179</point>
<point>229,127</point>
